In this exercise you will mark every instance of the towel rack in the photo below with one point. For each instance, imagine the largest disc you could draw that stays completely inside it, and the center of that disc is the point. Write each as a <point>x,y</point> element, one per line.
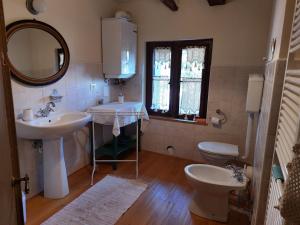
<point>287,134</point>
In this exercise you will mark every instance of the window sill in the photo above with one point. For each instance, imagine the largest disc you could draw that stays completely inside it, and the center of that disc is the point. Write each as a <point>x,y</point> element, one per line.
<point>176,120</point>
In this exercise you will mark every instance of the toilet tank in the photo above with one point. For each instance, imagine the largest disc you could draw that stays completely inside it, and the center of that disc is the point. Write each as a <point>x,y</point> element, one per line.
<point>254,93</point>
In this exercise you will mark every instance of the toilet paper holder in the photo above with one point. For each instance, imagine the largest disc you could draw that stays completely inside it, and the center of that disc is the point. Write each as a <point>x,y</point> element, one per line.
<point>223,115</point>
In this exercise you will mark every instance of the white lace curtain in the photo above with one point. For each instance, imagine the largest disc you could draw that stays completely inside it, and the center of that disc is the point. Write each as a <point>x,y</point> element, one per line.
<point>191,78</point>
<point>162,56</point>
<point>161,79</point>
<point>192,64</point>
<point>193,61</point>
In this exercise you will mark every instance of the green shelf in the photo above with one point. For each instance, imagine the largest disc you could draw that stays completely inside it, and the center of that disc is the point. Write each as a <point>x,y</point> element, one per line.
<point>123,144</point>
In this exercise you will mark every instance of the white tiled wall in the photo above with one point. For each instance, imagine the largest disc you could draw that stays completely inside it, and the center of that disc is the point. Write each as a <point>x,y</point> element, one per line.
<point>77,96</point>
<point>227,91</point>
<point>74,87</point>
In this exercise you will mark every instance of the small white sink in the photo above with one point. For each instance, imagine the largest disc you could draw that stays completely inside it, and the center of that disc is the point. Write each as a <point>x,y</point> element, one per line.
<point>52,127</point>
<point>52,130</point>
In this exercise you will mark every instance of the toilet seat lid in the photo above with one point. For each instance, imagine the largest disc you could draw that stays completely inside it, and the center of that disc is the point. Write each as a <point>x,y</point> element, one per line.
<point>219,148</point>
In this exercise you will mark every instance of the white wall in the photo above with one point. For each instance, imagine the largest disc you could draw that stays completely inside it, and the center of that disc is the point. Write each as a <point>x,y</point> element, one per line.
<point>240,31</point>
<point>79,23</point>
<point>280,26</point>
<point>239,28</point>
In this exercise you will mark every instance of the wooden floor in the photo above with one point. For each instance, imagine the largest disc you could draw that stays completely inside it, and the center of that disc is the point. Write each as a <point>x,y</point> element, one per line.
<point>164,202</point>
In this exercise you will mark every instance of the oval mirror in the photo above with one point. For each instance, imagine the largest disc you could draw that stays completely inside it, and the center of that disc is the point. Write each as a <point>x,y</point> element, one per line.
<point>37,53</point>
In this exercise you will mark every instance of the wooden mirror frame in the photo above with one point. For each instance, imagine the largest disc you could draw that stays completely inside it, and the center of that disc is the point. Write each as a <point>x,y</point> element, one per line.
<point>12,28</point>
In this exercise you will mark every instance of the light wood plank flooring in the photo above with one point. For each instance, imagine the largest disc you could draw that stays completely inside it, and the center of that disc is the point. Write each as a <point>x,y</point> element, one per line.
<point>165,202</point>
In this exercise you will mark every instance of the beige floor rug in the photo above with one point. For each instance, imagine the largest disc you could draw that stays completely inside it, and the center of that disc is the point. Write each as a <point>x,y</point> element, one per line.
<point>102,204</point>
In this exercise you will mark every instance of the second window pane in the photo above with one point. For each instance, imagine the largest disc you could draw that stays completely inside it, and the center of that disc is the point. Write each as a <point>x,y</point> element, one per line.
<point>192,65</point>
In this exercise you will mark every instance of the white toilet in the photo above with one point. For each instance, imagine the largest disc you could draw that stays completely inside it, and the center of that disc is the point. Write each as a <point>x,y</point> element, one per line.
<point>218,153</point>
<point>212,185</point>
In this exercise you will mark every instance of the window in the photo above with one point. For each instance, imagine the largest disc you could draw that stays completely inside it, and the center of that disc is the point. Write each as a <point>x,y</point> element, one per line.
<point>178,78</point>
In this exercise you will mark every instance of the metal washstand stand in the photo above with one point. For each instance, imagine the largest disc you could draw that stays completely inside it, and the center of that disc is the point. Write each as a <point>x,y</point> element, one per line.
<point>137,115</point>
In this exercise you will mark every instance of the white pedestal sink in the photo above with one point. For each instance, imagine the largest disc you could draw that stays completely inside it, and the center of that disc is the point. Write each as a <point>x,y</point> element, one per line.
<point>51,130</point>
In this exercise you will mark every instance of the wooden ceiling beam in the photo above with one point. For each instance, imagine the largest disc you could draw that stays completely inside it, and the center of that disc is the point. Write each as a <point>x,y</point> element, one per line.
<point>171,4</point>
<point>216,2</point>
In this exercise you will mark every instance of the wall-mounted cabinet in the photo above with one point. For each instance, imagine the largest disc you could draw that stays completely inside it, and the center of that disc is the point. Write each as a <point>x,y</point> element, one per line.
<point>119,44</point>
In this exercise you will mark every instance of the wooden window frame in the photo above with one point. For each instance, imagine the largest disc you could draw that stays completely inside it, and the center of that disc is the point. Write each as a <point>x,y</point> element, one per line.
<point>176,47</point>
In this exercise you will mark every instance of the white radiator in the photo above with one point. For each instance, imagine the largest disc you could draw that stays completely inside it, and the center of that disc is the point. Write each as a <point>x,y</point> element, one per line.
<point>287,134</point>
<point>295,37</point>
<point>275,192</point>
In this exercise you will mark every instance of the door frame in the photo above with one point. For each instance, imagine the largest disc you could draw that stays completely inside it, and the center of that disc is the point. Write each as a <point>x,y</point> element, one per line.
<point>9,127</point>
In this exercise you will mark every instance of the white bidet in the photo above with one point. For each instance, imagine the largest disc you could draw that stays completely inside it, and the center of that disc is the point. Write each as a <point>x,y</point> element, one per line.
<point>212,185</point>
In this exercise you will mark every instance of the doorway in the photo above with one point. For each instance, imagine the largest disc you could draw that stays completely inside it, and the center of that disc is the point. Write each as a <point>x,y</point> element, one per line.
<point>10,188</point>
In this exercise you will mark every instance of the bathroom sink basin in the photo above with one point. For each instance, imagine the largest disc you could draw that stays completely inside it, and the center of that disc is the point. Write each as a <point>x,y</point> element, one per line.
<point>51,130</point>
<point>54,126</point>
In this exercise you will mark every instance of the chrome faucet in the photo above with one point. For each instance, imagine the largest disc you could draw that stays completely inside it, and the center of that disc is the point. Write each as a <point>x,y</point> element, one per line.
<point>238,172</point>
<point>46,111</point>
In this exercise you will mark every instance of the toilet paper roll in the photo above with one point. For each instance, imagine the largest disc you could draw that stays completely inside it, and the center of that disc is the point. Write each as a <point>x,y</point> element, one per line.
<point>215,121</point>
<point>248,171</point>
<point>27,114</point>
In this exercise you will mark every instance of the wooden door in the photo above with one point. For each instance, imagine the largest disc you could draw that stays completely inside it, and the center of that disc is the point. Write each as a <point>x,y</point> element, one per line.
<point>10,195</point>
